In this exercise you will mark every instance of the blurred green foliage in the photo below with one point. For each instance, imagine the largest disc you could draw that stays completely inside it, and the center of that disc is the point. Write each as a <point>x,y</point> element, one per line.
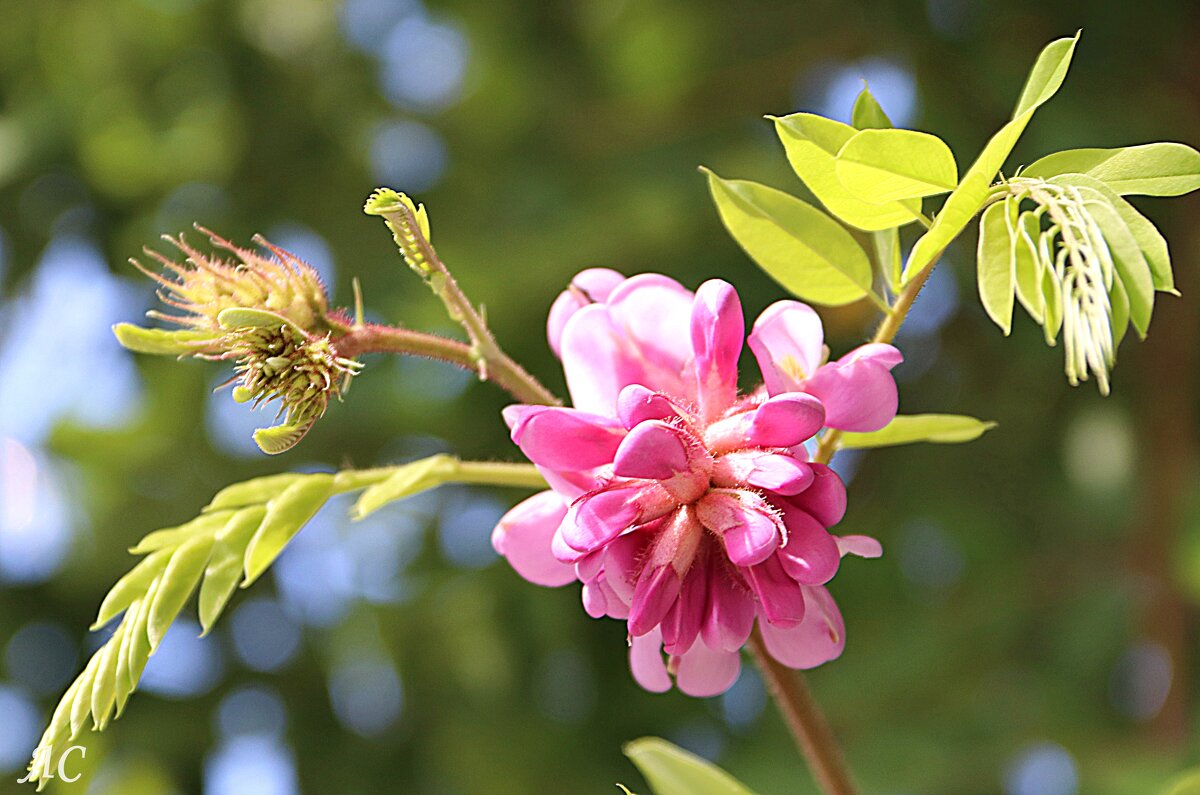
<point>1019,570</point>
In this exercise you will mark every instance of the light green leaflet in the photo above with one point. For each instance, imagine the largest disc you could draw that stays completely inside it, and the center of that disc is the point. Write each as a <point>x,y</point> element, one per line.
<point>1159,169</point>
<point>968,198</point>
<point>910,428</point>
<point>670,770</point>
<point>812,143</point>
<point>868,114</point>
<point>881,166</point>
<point>802,248</point>
<point>406,480</point>
<point>996,265</point>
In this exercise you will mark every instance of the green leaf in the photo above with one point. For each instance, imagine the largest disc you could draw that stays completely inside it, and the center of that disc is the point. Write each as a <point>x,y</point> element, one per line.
<point>286,514</point>
<point>252,492</point>
<point>225,565</point>
<point>811,143</point>
<point>891,165</point>
<point>670,770</point>
<point>1151,242</point>
<point>806,251</point>
<point>969,197</point>
<point>868,113</point>
<point>172,342</point>
<point>909,428</point>
<point>995,265</point>
<point>407,480</point>
<point>171,537</point>
<point>1159,169</point>
<point>131,587</point>
<point>1028,265</point>
<point>888,256</point>
<point>179,579</point>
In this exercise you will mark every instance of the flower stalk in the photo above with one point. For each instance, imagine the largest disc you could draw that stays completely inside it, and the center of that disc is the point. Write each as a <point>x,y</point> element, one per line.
<point>410,229</point>
<point>804,720</point>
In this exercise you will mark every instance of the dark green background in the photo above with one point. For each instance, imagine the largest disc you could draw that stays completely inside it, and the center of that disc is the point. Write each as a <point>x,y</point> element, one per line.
<point>1019,570</point>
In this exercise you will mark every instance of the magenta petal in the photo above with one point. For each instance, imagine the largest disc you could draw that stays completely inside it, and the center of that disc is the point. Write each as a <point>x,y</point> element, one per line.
<point>595,600</point>
<point>787,420</point>
<point>653,596</point>
<point>780,598</point>
<point>748,525</point>
<point>559,548</point>
<point>819,638</point>
<point>652,450</point>
<point>589,286</point>
<point>637,404</point>
<point>646,663</point>
<point>564,439</point>
<point>858,390</point>
<point>825,499</point>
<point>622,564</point>
<point>863,546</point>
<point>729,617</point>
<point>811,555</point>
<point>702,672</point>
<point>524,535</point>
<point>718,329</point>
<point>788,342</point>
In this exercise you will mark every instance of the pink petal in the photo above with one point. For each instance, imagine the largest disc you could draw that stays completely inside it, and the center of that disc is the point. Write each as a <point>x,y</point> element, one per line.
<point>825,499</point>
<point>775,472</point>
<point>595,519</point>
<point>858,390</point>
<point>748,525</point>
<point>589,286</point>
<point>787,420</point>
<point>637,404</point>
<point>788,342</point>
<point>780,598</point>
<point>811,555</point>
<point>524,534</point>
<point>819,638</point>
<point>863,546</point>
<point>729,617</point>
<point>597,362</point>
<point>568,484</point>
<point>704,672</point>
<point>653,450</point>
<point>623,563</point>
<point>718,329</point>
<point>646,663</point>
<point>681,626</point>
<point>654,595</point>
<point>562,438</point>
<point>651,311</point>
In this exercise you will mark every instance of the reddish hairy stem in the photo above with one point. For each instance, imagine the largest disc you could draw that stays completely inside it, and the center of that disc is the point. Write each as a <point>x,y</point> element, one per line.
<point>808,726</point>
<point>376,338</point>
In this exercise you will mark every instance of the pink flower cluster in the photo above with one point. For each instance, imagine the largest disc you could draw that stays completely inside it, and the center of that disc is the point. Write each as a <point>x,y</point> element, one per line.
<point>685,508</point>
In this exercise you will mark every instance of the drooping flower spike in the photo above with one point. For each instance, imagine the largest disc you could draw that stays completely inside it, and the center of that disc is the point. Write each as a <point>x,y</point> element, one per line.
<point>686,509</point>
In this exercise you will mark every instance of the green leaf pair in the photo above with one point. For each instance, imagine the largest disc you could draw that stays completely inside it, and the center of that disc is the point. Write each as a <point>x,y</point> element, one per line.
<point>868,176</point>
<point>235,539</point>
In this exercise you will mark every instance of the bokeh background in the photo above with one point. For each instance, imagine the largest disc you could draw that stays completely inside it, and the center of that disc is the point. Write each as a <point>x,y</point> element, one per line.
<point>1030,630</point>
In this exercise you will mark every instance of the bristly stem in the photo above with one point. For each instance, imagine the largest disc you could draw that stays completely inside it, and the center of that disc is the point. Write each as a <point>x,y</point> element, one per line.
<point>505,373</point>
<point>489,357</point>
<point>809,729</point>
<point>888,326</point>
